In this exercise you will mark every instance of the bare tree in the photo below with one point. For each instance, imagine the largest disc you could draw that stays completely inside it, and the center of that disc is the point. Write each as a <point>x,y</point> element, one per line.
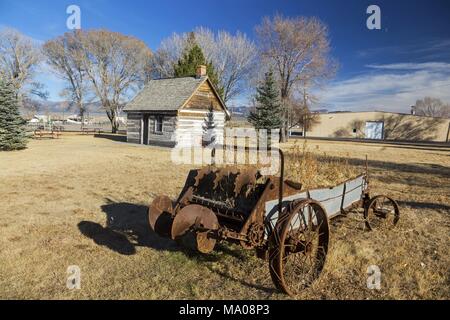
<point>298,50</point>
<point>162,65</point>
<point>432,107</point>
<point>65,55</point>
<point>19,58</point>
<point>233,57</point>
<point>299,112</point>
<point>116,66</point>
<point>168,53</point>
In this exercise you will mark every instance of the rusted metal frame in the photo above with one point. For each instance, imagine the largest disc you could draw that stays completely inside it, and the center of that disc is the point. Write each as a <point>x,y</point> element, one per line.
<point>345,210</point>
<point>221,210</point>
<point>259,207</point>
<point>257,214</point>
<point>226,234</point>
<point>308,194</point>
<point>367,168</point>
<point>281,154</point>
<point>343,198</point>
<point>183,200</point>
<point>225,216</point>
<point>365,197</point>
<point>222,233</point>
<point>280,194</point>
<point>367,180</point>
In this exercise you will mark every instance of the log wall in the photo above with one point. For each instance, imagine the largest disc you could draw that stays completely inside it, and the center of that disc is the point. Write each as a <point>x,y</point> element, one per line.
<point>189,129</point>
<point>166,138</point>
<point>134,127</point>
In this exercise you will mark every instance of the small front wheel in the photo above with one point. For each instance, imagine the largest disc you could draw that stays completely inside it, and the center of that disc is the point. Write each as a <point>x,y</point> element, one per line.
<point>381,212</point>
<point>298,246</point>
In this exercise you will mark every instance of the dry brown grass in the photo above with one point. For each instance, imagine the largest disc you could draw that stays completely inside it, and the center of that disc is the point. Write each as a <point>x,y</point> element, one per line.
<point>315,168</point>
<point>81,201</point>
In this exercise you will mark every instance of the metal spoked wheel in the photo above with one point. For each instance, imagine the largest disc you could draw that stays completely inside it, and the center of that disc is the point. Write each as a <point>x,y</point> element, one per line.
<point>381,212</point>
<point>299,246</point>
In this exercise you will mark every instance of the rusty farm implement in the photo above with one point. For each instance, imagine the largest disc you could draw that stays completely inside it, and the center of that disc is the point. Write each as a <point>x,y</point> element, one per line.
<point>286,225</point>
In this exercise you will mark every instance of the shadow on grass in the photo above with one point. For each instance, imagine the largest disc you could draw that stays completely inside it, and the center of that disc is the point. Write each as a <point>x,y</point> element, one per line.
<point>425,205</point>
<point>110,136</point>
<point>107,237</point>
<point>266,289</point>
<point>423,168</point>
<point>127,227</point>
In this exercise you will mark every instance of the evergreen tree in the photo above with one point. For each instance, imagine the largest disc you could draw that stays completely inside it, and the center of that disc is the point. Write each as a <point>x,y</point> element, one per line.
<point>191,59</point>
<point>268,113</point>
<point>12,125</point>
<point>209,136</point>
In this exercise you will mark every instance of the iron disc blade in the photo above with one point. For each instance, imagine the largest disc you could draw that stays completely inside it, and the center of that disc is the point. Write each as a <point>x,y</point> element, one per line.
<point>160,215</point>
<point>186,219</point>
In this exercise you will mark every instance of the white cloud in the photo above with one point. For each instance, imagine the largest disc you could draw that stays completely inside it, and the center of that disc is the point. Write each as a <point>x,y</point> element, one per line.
<point>392,87</point>
<point>436,49</point>
<point>440,66</point>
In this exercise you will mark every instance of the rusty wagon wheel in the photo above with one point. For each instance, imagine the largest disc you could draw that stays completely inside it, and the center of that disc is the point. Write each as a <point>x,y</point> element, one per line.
<point>298,246</point>
<point>381,212</point>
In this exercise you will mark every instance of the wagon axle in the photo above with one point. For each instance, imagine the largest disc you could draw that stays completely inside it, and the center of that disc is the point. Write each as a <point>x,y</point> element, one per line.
<point>296,246</point>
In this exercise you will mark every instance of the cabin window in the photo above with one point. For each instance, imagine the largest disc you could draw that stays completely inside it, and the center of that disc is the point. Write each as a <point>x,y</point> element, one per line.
<point>159,124</point>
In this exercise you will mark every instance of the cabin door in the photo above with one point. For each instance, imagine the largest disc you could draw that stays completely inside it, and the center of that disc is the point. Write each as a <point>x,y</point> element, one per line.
<point>145,129</point>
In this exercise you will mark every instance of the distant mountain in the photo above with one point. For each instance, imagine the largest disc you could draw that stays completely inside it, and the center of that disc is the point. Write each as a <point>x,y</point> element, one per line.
<point>43,106</point>
<point>244,111</point>
<point>320,110</point>
<point>241,111</point>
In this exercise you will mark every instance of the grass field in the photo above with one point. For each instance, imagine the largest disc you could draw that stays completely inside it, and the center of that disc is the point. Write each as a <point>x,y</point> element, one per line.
<point>81,200</point>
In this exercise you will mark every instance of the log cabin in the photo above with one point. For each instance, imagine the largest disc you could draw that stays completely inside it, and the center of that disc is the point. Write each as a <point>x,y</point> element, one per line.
<point>172,112</point>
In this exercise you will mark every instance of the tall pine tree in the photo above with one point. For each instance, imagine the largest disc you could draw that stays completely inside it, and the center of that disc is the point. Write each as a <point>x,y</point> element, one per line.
<point>268,108</point>
<point>193,57</point>
<point>12,125</point>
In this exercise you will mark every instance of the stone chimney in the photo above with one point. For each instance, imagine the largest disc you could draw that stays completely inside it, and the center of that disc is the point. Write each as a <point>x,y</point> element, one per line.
<point>413,110</point>
<point>201,71</point>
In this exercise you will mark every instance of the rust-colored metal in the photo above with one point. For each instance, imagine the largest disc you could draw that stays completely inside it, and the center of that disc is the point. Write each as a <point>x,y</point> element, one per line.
<point>230,203</point>
<point>192,225</point>
<point>256,235</point>
<point>381,212</point>
<point>160,215</point>
<point>298,246</point>
<point>246,179</point>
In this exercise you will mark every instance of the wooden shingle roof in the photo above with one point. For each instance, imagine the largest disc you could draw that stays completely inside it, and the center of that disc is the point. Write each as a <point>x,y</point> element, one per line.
<point>165,94</point>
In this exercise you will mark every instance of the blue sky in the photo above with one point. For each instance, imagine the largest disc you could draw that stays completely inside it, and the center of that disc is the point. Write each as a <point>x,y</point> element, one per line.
<point>385,69</point>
